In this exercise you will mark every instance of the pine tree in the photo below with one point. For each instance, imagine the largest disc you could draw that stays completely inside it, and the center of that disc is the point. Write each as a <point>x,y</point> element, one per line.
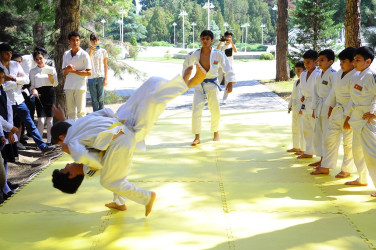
<point>313,20</point>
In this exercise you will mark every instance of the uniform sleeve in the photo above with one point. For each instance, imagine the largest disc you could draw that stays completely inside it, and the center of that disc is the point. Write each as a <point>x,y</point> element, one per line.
<point>315,94</point>
<point>88,172</point>
<point>21,77</point>
<point>227,69</point>
<point>372,89</point>
<point>189,61</point>
<point>81,155</point>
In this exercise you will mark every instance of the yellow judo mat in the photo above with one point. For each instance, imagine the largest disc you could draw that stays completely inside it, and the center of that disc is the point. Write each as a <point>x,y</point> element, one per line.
<point>244,192</point>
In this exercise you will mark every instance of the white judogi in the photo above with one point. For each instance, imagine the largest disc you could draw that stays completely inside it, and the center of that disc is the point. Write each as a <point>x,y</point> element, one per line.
<point>209,89</point>
<point>94,133</point>
<point>297,128</point>
<point>306,87</point>
<point>338,99</point>
<point>323,85</point>
<point>363,100</point>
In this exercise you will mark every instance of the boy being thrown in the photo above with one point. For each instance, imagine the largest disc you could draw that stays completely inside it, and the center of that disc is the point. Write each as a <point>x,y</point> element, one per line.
<point>102,143</point>
<point>210,59</point>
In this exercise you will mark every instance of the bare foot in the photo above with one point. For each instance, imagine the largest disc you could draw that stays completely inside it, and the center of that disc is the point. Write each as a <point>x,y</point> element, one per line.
<point>149,206</point>
<point>343,174</point>
<point>116,206</point>
<point>320,170</point>
<point>195,142</point>
<point>355,183</point>
<point>304,156</point>
<point>293,150</point>
<point>299,153</point>
<point>315,164</point>
<point>216,136</point>
<point>373,195</point>
<point>198,78</point>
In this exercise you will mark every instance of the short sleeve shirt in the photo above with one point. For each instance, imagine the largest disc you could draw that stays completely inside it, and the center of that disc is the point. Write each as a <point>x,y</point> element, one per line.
<point>97,59</point>
<point>80,61</point>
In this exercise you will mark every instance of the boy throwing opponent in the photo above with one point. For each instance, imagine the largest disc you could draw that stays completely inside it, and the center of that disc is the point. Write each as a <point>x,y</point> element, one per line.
<point>210,59</point>
<point>102,143</point>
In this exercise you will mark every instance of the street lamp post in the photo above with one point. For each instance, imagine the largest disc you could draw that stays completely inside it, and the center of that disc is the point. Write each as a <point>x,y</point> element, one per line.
<point>119,22</point>
<point>246,25</point>
<point>183,14</point>
<point>122,12</point>
<point>174,24</point>
<point>208,6</point>
<point>103,22</point>
<point>225,25</point>
<point>262,33</point>
<point>193,40</point>
<point>275,8</point>
<point>242,26</point>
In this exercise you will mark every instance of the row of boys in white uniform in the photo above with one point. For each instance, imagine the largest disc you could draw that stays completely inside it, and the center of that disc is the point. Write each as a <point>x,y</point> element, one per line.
<point>334,105</point>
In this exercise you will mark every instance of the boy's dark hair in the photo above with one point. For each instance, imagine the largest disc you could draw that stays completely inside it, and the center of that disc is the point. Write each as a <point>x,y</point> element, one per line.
<point>300,64</point>
<point>38,52</point>
<point>63,183</point>
<point>16,55</point>
<point>207,33</point>
<point>40,48</point>
<point>366,52</point>
<point>228,33</point>
<point>311,54</point>
<point>347,53</point>
<point>73,33</point>
<point>5,47</point>
<point>94,37</point>
<point>328,53</point>
<point>60,128</point>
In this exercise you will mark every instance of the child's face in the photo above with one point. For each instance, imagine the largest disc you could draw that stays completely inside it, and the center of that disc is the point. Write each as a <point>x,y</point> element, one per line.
<point>71,169</point>
<point>298,71</point>
<point>360,64</point>
<point>346,65</point>
<point>2,78</point>
<point>324,63</point>
<point>94,42</point>
<point>39,60</point>
<point>61,139</point>
<point>310,64</point>
<point>74,42</point>
<point>206,41</point>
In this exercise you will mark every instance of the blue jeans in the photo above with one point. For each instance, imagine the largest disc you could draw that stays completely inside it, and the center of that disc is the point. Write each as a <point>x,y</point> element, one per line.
<point>23,113</point>
<point>96,92</point>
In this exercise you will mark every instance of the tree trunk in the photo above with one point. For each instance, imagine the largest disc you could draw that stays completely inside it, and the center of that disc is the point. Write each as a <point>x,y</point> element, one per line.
<point>282,38</point>
<point>38,34</point>
<point>352,24</point>
<point>67,20</point>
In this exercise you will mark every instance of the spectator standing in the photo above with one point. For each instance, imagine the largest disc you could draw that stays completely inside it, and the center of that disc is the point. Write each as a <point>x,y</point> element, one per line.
<point>76,66</point>
<point>98,79</point>
<point>43,79</point>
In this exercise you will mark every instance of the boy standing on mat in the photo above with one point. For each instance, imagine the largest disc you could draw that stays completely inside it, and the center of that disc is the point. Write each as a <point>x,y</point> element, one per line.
<point>211,60</point>
<point>102,143</point>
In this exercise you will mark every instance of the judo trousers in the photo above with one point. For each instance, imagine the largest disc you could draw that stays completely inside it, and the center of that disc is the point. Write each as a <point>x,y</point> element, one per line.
<point>308,130</point>
<point>297,132</point>
<point>321,125</point>
<point>199,99</point>
<point>368,138</point>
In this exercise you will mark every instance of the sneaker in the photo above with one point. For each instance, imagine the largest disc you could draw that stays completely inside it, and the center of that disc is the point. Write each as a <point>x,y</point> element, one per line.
<point>47,149</point>
<point>20,146</point>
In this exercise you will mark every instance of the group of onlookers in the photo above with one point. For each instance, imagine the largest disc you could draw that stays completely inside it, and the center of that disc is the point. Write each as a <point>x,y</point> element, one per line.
<point>27,84</point>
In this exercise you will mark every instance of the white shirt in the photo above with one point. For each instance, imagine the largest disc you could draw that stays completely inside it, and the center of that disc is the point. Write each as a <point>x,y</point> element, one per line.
<point>340,93</point>
<point>80,61</point>
<point>39,77</point>
<point>323,85</point>
<point>229,49</point>
<point>28,63</point>
<point>306,88</point>
<point>97,64</point>
<point>13,89</point>
<point>217,60</point>
<point>363,98</point>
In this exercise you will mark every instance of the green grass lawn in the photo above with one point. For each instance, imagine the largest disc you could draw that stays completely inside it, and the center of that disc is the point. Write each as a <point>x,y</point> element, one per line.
<point>283,89</point>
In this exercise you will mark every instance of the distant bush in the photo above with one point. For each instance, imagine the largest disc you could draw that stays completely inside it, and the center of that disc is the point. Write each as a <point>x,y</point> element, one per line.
<point>144,43</point>
<point>197,45</point>
<point>111,98</point>
<point>161,43</point>
<point>167,55</point>
<point>183,51</point>
<point>251,47</point>
<point>266,56</point>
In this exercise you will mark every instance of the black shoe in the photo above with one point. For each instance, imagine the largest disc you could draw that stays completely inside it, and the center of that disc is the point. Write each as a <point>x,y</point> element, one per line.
<point>24,137</point>
<point>12,185</point>
<point>47,149</point>
<point>7,195</point>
